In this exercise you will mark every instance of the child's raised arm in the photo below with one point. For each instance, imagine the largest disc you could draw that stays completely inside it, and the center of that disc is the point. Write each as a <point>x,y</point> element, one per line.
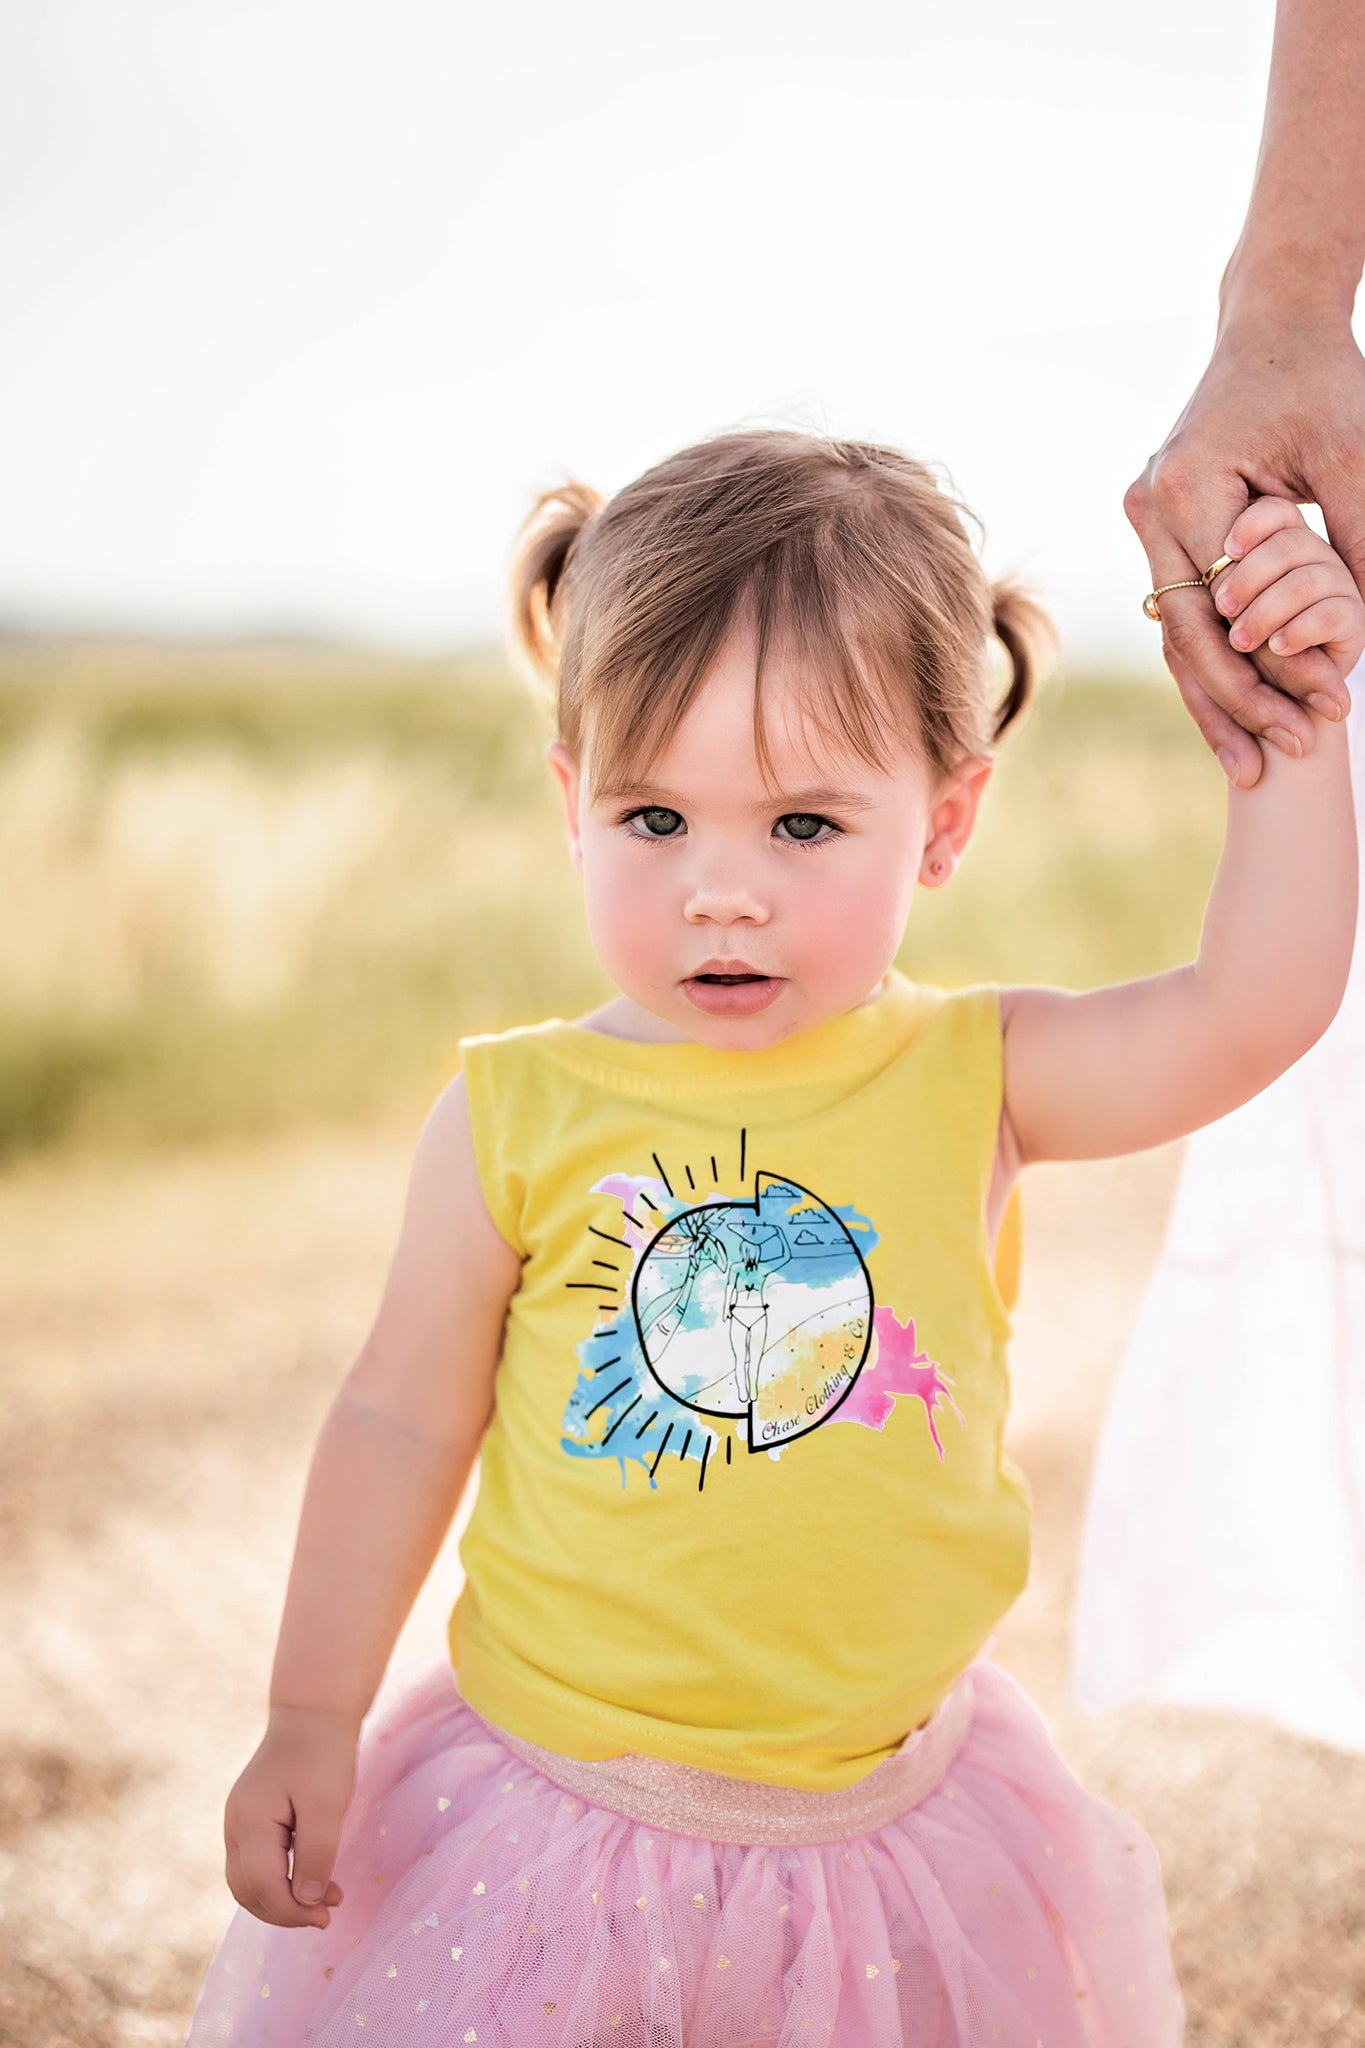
<point>1135,1065</point>
<point>391,1463</point>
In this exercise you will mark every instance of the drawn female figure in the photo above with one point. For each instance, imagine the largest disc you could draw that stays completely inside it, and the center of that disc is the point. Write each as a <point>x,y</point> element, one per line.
<point>763,1248</point>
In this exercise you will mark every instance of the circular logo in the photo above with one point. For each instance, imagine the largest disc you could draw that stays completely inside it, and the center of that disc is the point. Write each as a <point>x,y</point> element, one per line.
<point>760,1308</point>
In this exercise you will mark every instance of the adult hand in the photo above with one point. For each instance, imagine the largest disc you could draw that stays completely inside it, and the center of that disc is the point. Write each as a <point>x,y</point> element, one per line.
<point>1276,413</point>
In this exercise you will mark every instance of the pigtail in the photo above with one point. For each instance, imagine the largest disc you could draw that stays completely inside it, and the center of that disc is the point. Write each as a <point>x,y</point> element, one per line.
<point>1029,639</point>
<point>543,550</point>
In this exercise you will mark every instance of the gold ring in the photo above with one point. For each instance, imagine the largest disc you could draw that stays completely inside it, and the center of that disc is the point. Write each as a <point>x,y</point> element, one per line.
<point>1149,603</point>
<point>1216,569</point>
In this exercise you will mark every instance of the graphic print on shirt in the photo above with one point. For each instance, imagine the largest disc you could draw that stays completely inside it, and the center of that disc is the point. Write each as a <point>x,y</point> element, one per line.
<point>756,1311</point>
<point>760,1309</point>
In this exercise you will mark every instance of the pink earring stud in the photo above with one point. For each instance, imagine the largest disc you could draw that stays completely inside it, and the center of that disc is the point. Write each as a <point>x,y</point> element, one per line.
<point>936,867</point>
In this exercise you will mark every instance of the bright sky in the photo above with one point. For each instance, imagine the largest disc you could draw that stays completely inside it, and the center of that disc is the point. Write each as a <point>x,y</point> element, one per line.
<point>307,297</point>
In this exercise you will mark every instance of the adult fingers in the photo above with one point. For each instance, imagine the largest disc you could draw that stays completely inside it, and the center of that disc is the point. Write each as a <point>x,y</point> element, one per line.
<point>1261,691</point>
<point>1194,629</point>
<point>1183,518</point>
<point>1192,640</point>
<point>1239,755</point>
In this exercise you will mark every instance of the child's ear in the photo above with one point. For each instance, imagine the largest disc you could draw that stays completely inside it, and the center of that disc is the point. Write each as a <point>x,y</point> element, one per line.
<point>566,775</point>
<point>952,820</point>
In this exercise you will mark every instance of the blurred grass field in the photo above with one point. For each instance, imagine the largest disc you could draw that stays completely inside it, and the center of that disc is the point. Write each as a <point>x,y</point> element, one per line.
<point>257,887</point>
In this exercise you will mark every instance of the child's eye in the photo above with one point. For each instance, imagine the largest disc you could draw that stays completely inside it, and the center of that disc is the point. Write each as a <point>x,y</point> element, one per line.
<point>806,829</point>
<point>657,823</point>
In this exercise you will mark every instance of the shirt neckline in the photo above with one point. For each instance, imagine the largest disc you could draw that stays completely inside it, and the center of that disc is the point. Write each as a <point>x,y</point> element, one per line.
<point>823,1048</point>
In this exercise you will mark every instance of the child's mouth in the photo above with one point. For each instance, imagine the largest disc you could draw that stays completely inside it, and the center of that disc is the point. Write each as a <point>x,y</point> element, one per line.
<point>742,994</point>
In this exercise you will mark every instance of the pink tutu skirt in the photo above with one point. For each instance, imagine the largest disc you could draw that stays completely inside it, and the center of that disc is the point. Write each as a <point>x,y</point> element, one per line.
<point>968,1893</point>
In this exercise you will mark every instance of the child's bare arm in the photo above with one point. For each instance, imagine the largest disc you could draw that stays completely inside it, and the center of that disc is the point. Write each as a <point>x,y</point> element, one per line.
<point>1126,1067</point>
<point>391,1462</point>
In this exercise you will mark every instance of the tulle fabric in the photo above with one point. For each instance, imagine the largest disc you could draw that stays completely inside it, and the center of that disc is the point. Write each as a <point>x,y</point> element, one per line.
<point>486,1905</point>
<point>1235,1436</point>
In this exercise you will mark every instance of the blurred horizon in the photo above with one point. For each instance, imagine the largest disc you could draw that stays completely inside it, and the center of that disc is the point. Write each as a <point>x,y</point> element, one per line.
<point>100,634</point>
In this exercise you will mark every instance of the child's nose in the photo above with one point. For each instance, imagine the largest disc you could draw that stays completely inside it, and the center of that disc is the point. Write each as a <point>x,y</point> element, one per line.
<point>724,900</point>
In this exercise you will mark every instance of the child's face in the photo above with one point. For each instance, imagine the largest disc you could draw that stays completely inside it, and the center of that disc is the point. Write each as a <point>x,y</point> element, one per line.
<point>801,883</point>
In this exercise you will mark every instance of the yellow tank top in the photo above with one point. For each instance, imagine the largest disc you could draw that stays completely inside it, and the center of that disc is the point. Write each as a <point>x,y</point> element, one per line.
<point>743,1502</point>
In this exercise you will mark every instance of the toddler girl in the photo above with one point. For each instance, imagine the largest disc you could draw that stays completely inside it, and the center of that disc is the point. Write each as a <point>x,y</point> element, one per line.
<point>709,1280</point>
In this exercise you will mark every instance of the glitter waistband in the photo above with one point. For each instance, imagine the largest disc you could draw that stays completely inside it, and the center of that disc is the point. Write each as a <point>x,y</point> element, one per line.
<point>686,1800</point>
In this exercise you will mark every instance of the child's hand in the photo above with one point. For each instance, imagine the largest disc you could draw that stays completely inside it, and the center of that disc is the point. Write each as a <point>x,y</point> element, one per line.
<point>1288,589</point>
<point>294,1792</point>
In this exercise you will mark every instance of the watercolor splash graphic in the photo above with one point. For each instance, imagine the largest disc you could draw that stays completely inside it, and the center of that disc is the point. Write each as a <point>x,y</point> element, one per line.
<point>897,1367</point>
<point>619,1409</point>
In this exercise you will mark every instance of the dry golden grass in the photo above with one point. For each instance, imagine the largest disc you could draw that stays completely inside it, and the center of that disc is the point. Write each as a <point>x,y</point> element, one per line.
<point>190,870</point>
<point>170,1334</point>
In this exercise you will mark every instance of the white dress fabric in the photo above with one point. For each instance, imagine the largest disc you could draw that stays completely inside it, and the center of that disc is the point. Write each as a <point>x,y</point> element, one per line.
<point>1223,1555</point>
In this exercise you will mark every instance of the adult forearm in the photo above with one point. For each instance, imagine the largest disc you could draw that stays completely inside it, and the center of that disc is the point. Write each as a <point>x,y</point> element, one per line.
<point>1280,409</point>
<point>1301,250</point>
<point>377,1505</point>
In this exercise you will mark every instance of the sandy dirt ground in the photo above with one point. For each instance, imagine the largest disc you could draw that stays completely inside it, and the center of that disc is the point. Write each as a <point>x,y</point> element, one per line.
<point>170,1333</point>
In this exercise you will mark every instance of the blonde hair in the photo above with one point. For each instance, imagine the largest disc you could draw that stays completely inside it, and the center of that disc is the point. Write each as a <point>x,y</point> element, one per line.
<point>846,554</point>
